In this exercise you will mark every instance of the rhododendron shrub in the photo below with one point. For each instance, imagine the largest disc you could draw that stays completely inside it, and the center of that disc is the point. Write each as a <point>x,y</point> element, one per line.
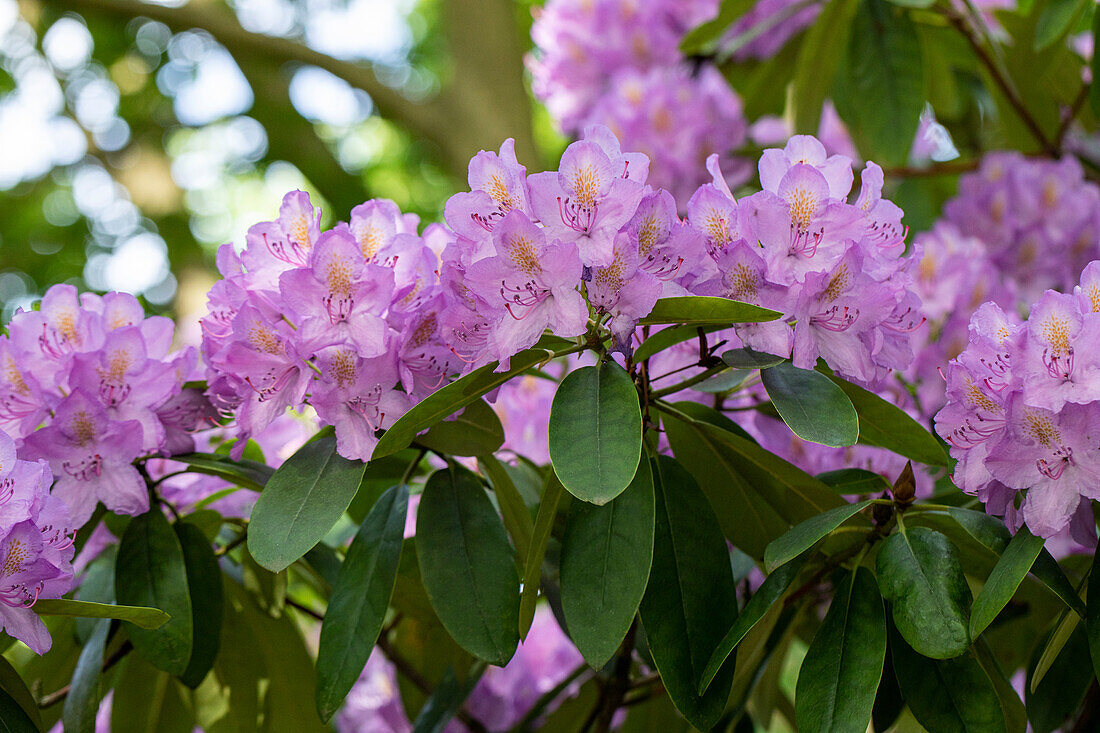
<point>631,439</point>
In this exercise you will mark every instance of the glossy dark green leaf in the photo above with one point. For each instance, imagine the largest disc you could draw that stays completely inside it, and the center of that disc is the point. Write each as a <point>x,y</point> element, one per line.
<point>151,572</point>
<point>1060,692</point>
<point>1001,585</point>
<point>301,503</point>
<point>517,520</point>
<point>813,407</point>
<point>854,481</point>
<point>756,495</point>
<point>888,426</point>
<point>466,565</point>
<point>704,310</point>
<point>359,600</point>
<point>818,61</point>
<point>249,474</point>
<point>745,358</point>
<point>949,695</point>
<point>769,592</point>
<point>666,337</point>
<point>605,560</point>
<point>690,601</point>
<point>476,431</point>
<point>804,536</point>
<point>843,664</point>
<point>990,536</point>
<point>204,583</point>
<point>451,398</point>
<point>13,719</point>
<point>885,63</point>
<point>552,495</point>
<point>919,573</point>
<point>596,432</point>
<point>143,616</point>
<point>82,702</point>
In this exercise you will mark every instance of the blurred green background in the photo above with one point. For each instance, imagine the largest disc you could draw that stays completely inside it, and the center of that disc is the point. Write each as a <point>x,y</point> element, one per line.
<point>136,138</point>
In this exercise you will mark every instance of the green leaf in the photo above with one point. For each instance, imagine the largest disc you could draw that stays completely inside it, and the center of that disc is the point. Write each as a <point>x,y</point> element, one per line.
<point>148,700</point>
<point>806,535</point>
<point>267,667</point>
<point>466,564</point>
<point>919,573</point>
<point>204,584</point>
<point>770,591</point>
<point>843,664</point>
<point>359,600</point>
<point>13,719</point>
<point>854,481</point>
<point>552,494</point>
<point>1015,714</point>
<point>989,535</point>
<point>445,702</point>
<point>1057,19</point>
<point>705,310</point>
<point>142,616</point>
<point>666,337</point>
<point>246,473</point>
<point>818,61</point>
<point>451,398</point>
<point>596,432</point>
<point>888,426</point>
<point>745,358</point>
<point>476,431</point>
<point>605,560</point>
<point>517,520</point>
<point>150,571</point>
<point>1092,613</point>
<point>756,495</point>
<point>949,695</point>
<point>702,39</point>
<point>1061,690</point>
<point>813,407</point>
<point>82,702</point>
<point>880,93</point>
<point>690,600</point>
<point>1053,645</point>
<point>1006,577</point>
<point>302,502</point>
<point>13,684</point>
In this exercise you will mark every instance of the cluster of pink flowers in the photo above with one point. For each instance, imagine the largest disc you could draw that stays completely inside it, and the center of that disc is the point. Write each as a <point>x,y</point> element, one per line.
<point>36,546</point>
<point>365,319</point>
<point>88,384</point>
<point>835,269</point>
<point>618,63</point>
<point>1039,218</point>
<point>1023,409</point>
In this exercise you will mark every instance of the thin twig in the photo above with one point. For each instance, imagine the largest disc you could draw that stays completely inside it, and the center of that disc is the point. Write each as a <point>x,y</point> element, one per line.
<point>58,695</point>
<point>1000,78</point>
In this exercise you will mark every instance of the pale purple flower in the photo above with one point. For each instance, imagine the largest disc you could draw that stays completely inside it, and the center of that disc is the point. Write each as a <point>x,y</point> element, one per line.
<point>585,201</point>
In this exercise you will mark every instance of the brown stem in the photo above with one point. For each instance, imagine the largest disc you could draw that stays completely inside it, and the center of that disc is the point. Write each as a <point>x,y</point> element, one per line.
<point>962,25</point>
